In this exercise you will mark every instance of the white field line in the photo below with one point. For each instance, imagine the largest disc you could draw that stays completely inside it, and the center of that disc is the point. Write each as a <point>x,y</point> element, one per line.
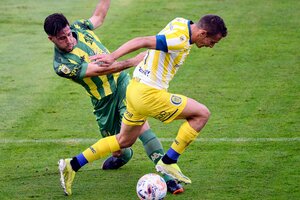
<point>93,140</point>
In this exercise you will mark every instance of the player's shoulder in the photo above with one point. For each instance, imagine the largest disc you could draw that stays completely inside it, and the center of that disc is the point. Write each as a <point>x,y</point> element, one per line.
<point>179,26</point>
<point>180,20</point>
<point>84,24</point>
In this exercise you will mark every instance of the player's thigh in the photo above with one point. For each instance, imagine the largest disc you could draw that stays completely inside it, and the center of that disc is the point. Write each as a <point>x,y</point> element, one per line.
<point>193,109</point>
<point>134,95</point>
<point>120,96</point>
<point>108,115</point>
<point>113,108</point>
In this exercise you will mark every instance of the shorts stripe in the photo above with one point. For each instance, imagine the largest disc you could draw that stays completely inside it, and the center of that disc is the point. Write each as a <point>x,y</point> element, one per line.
<point>170,115</point>
<point>138,121</point>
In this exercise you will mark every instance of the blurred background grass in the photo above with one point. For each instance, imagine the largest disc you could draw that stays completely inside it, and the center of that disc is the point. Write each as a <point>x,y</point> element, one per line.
<point>249,81</point>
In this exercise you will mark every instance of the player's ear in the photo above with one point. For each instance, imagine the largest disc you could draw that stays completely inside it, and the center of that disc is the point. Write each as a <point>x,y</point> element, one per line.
<point>202,33</point>
<point>50,38</point>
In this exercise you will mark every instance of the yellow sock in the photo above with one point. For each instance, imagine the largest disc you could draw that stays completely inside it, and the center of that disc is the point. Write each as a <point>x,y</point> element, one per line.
<point>186,134</point>
<point>101,148</point>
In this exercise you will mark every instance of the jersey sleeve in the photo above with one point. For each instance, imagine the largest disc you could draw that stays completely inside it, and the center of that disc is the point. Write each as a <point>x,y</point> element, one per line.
<point>177,40</point>
<point>83,24</point>
<point>173,41</point>
<point>70,70</point>
<point>161,43</point>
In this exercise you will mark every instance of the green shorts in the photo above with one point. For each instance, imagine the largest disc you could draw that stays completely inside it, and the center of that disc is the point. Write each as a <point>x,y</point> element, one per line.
<point>109,110</point>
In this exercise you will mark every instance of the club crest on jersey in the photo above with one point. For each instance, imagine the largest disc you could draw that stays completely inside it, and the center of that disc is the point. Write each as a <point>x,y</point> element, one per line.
<point>176,100</point>
<point>64,69</point>
<point>182,38</point>
<point>88,38</point>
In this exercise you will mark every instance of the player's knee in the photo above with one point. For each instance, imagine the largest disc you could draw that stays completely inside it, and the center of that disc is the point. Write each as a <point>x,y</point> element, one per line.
<point>205,113</point>
<point>197,111</point>
<point>201,118</point>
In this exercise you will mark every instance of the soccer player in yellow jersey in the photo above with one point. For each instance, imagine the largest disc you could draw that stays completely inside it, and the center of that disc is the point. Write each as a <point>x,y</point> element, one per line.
<point>106,86</point>
<point>147,94</point>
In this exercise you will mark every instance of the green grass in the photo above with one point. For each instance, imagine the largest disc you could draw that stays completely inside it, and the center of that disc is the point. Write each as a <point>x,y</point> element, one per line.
<point>250,82</point>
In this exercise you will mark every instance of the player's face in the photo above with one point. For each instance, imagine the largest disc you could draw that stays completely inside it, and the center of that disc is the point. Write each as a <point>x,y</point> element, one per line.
<point>208,41</point>
<point>64,40</point>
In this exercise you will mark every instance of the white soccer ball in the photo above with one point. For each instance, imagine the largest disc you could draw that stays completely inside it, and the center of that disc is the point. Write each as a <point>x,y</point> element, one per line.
<point>151,187</point>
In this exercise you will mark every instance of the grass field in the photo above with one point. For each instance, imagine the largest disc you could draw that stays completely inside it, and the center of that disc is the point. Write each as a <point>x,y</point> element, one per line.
<point>250,81</point>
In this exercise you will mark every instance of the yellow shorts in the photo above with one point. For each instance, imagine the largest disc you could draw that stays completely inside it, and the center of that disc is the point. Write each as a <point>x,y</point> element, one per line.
<point>144,101</point>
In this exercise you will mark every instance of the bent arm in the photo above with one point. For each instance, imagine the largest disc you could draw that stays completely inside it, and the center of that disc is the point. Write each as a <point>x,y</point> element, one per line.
<point>94,69</point>
<point>100,12</point>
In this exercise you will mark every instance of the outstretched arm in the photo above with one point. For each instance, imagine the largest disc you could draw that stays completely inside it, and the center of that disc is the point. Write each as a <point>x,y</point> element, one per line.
<point>94,69</point>
<point>133,45</point>
<point>128,47</point>
<point>100,13</point>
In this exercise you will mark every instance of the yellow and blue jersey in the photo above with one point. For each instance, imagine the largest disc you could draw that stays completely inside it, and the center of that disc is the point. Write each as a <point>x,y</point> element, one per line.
<point>160,65</point>
<point>73,65</point>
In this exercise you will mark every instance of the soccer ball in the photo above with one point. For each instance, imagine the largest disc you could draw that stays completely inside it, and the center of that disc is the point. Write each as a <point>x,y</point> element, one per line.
<point>151,187</point>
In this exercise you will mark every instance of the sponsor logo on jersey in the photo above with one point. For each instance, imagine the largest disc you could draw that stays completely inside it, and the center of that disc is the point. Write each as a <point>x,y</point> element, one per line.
<point>64,69</point>
<point>176,100</point>
<point>88,38</point>
<point>145,72</point>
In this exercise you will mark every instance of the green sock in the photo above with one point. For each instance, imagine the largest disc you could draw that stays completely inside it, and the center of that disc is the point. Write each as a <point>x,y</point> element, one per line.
<point>153,148</point>
<point>126,155</point>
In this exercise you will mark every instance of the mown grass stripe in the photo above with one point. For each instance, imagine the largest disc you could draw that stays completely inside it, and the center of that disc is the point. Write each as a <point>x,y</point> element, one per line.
<point>91,140</point>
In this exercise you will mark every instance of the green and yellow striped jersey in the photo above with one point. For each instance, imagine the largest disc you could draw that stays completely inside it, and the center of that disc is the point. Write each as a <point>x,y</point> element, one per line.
<point>73,65</point>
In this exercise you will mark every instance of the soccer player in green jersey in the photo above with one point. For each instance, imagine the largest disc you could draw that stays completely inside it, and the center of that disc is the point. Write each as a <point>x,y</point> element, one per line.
<point>106,86</point>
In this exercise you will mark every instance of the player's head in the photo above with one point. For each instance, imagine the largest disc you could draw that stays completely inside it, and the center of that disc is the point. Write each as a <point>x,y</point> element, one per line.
<point>57,27</point>
<point>211,29</point>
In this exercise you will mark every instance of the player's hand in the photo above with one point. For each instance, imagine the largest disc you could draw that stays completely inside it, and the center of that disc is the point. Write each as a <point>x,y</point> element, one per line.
<point>104,60</point>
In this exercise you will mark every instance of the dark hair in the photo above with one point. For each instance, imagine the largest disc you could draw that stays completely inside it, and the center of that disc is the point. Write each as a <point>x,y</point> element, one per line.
<point>213,24</point>
<point>54,23</point>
